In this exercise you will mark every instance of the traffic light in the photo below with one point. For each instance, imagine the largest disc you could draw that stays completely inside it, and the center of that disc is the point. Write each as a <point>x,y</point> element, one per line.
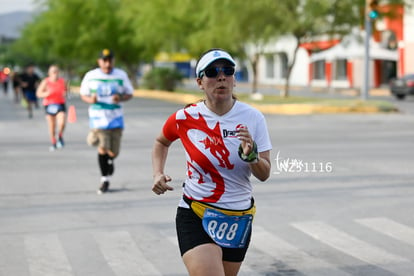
<point>373,9</point>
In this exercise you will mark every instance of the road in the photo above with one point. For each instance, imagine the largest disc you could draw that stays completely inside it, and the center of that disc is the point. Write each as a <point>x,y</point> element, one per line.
<point>339,201</point>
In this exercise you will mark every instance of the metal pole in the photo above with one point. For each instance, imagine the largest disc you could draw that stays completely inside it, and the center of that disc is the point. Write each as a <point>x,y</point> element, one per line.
<point>365,89</point>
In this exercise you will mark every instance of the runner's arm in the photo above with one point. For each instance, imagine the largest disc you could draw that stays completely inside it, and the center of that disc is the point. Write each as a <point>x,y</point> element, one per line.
<point>89,99</point>
<point>121,97</point>
<point>159,157</point>
<point>41,90</point>
<point>261,169</point>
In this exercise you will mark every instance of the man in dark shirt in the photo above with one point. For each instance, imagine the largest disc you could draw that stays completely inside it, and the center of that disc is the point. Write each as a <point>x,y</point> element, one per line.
<point>29,82</point>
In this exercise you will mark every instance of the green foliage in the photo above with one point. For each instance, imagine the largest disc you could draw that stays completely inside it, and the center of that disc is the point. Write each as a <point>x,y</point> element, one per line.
<point>162,78</point>
<point>72,32</point>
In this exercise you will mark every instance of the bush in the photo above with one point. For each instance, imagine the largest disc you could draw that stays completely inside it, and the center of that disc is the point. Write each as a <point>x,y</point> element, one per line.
<point>162,78</point>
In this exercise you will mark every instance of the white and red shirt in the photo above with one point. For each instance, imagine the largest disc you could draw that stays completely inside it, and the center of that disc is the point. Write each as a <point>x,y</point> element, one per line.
<point>215,172</point>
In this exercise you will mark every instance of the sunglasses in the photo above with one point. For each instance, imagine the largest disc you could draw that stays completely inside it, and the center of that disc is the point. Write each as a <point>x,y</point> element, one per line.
<point>213,72</point>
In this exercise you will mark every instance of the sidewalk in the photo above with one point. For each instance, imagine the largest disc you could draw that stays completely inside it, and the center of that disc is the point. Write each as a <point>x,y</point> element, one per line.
<point>306,91</point>
<point>284,109</point>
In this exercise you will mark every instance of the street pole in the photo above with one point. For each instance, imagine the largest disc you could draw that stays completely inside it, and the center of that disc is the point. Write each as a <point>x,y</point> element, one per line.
<point>365,89</point>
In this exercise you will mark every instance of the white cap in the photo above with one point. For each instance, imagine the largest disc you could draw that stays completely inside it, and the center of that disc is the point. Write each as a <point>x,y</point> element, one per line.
<point>210,57</point>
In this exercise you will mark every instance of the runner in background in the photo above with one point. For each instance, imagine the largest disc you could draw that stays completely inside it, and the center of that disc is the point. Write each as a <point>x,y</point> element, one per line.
<point>4,79</point>
<point>29,81</point>
<point>16,86</point>
<point>104,88</point>
<point>53,90</point>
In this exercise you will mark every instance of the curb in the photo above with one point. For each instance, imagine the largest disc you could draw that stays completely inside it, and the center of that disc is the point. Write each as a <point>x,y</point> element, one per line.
<point>167,96</point>
<point>305,109</point>
<point>281,109</point>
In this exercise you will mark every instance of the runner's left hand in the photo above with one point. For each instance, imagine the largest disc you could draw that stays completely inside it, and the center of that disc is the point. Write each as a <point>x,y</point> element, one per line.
<point>246,139</point>
<point>116,98</point>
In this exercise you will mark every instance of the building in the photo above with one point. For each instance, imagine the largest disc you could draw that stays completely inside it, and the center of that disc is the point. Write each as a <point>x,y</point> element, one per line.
<point>339,64</point>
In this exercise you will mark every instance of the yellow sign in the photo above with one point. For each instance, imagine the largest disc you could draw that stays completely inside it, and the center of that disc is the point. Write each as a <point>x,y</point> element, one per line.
<point>172,57</point>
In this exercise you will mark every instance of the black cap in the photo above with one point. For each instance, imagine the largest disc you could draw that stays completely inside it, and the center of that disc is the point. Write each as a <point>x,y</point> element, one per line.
<point>106,54</point>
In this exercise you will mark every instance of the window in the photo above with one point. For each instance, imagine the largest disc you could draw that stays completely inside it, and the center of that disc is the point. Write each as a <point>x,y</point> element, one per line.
<point>283,64</point>
<point>389,40</point>
<point>340,69</point>
<point>270,67</point>
<point>319,70</point>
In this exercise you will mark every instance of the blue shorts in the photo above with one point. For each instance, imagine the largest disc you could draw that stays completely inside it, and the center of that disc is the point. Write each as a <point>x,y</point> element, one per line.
<point>30,95</point>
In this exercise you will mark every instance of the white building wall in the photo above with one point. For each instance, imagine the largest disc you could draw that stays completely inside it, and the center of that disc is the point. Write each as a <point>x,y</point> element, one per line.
<point>408,43</point>
<point>358,68</point>
<point>284,45</point>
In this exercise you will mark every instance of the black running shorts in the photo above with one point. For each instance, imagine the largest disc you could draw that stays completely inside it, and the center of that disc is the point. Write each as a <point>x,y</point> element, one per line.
<point>53,109</point>
<point>191,233</point>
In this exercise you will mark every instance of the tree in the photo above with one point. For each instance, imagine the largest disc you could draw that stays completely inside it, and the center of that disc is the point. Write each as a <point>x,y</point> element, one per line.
<point>232,25</point>
<point>71,32</point>
<point>236,25</point>
<point>307,19</point>
<point>265,28</point>
<point>153,25</point>
<point>195,26</point>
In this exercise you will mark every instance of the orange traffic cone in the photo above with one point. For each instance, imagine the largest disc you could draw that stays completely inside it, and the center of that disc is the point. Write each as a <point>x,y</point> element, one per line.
<point>72,114</point>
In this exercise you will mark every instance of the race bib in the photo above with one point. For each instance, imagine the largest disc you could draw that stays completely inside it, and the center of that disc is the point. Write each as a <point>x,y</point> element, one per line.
<point>227,231</point>
<point>52,109</point>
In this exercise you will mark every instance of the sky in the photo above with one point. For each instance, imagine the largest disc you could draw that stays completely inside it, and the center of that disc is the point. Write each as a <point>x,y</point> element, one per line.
<point>7,6</point>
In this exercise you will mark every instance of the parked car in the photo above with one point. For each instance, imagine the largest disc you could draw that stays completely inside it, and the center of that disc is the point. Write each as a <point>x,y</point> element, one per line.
<point>402,87</point>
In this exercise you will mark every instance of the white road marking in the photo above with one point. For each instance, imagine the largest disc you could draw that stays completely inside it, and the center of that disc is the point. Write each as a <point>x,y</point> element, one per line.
<point>291,255</point>
<point>390,228</point>
<point>349,244</point>
<point>123,255</point>
<point>46,256</point>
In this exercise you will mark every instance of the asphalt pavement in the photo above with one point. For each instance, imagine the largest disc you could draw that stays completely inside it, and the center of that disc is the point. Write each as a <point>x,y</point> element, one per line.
<point>339,201</point>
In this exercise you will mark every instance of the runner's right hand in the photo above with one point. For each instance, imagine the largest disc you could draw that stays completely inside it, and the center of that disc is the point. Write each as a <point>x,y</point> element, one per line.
<point>160,184</point>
